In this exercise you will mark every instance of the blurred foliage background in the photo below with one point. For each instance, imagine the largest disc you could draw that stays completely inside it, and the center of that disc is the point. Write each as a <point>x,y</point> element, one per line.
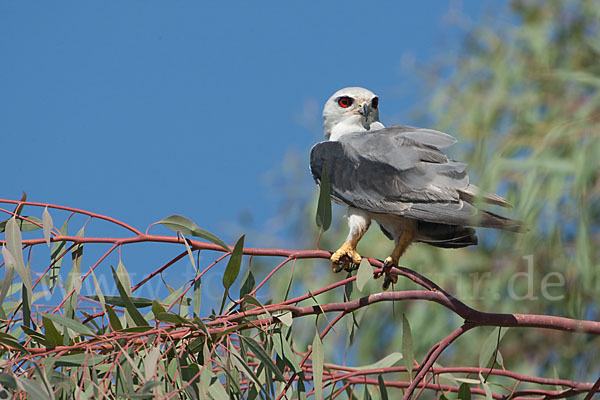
<point>523,99</point>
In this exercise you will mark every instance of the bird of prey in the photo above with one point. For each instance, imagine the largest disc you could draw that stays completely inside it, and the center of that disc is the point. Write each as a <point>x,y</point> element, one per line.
<point>399,177</point>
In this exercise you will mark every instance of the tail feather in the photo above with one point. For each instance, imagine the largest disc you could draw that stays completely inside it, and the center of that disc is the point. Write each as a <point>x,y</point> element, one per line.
<point>445,236</point>
<point>491,220</point>
<point>471,193</point>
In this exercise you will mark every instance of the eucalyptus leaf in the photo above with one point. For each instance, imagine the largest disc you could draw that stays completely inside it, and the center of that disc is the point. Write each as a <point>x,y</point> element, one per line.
<point>72,324</point>
<point>197,298</point>
<point>48,225</point>
<point>363,275</point>
<point>138,302</point>
<point>317,365</point>
<point>407,344</point>
<point>34,389</point>
<point>172,318</point>
<point>24,225</point>
<point>14,246</point>
<point>263,357</point>
<point>323,217</point>
<point>382,388</point>
<point>464,392</point>
<point>233,266</point>
<point>489,346</point>
<point>388,361</point>
<point>135,315</point>
<point>179,223</point>
<point>57,249</point>
<point>115,322</point>
<point>53,337</point>
<point>12,342</point>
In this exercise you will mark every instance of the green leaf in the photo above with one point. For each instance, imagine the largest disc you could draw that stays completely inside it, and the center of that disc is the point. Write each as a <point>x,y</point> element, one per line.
<point>382,388</point>
<point>26,307</point>
<point>8,381</point>
<point>100,296</point>
<point>173,296</point>
<point>190,255</point>
<point>407,345</point>
<point>366,394</point>
<point>217,391</point>
<point>285,318</point>
<point>34,389</point>
<point>468,381</point>
<point>115,322</point>
<point>489,346</point>
<point>464,392</point>
<point>248,284</point>
<point>264,357</point>
<point>124,278</point>
<point>486,388</point>
<point>9,275</point>
<point>57,249</point>
<point>252,300</point>
<point>197,297</point>
<point>24,226</point>
<point>77,360</point>
<point>363,275</point>
<point>135,315</point>
<point>10,341</point>
<point>151,362</point>
<point>48,225</point>
<point>145,392</point>
<point>179,223</point>
<point>35,335</point>
<point>324,204</point>
<point>388,361</point>
<point>137,329</point>
<point>243,366</point>
<point>53,337</point>
<point>200,325</point>
<point>317,365</point>
<point>157,308</point>
<point>72,324</point>
<point>14,246</point>
<point>172,318</point>
<point>285,351</point>
<point>138,302</point>
<point>233,266</point>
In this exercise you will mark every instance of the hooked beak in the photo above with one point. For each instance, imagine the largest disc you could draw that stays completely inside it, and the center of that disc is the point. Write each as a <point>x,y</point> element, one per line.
<point>364,110</point>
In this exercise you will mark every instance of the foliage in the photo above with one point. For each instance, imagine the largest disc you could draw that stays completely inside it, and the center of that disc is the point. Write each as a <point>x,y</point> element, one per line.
<point>81,345</point>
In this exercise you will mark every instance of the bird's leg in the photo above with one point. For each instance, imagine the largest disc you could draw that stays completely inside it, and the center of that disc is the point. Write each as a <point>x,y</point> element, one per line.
<point>346,257</point>
<point>405,239</point>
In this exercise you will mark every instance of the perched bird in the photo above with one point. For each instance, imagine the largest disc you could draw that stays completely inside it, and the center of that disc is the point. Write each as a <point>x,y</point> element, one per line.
<point>399,177</point>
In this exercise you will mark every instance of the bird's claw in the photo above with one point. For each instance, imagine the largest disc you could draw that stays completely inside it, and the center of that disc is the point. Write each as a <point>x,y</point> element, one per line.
<point>345,258</point>
<point>390,278</point>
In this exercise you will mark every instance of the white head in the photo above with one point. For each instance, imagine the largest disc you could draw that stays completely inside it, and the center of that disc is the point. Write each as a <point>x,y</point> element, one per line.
<point>352,109</point>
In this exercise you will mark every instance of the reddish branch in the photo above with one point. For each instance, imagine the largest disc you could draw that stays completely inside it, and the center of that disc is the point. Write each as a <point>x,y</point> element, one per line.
<point>436,295</point>
<point>346,372</point>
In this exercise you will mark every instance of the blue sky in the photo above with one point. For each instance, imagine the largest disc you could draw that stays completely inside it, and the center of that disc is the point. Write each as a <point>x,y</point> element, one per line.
<point>142,109</point>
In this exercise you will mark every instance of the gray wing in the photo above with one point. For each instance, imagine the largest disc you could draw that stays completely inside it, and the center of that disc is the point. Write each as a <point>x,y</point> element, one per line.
<point>400,170</point>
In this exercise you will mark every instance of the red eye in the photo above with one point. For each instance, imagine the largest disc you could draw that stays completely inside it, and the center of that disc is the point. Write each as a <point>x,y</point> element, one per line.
<point>345,101</point>
<point>375,102</point>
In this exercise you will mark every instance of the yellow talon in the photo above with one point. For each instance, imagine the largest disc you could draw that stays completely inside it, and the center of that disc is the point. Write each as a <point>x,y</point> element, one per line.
<point>344,257</point>
<point>388,264</point>
<point>391,261</point>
